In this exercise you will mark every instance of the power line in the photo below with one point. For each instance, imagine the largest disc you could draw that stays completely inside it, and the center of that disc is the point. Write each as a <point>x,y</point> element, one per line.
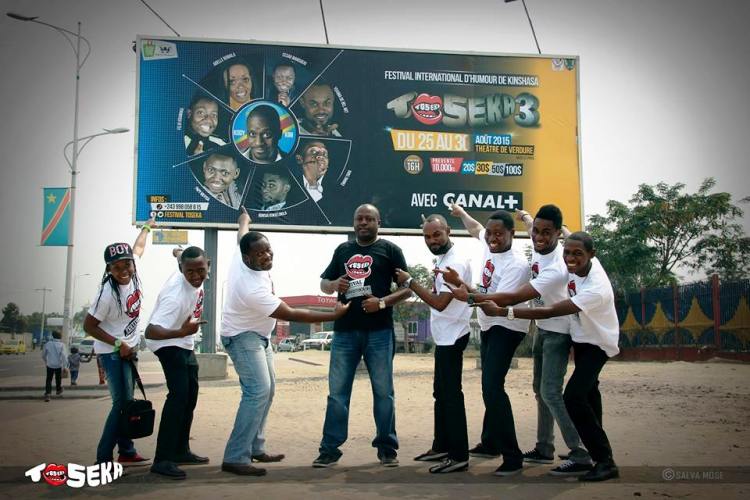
<point>323,15</point>
<point>160,18</point>
<point>533,32</point>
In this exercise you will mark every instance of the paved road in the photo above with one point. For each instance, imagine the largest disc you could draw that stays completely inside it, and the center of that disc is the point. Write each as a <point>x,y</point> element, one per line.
<point>12,365</point>
<point>31,364</point>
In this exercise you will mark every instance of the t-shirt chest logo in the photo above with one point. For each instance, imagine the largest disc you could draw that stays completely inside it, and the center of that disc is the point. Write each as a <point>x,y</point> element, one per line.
<point>133,304</point>
<point>535,269</point>
<point>571,288</point>
<point>359,266</point>
<point>198,305</point>
<point>489,268</point>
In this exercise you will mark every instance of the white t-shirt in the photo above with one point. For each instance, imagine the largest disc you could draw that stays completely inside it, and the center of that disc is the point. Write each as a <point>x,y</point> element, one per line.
<point>549,277</point>
<point>117,319</point>
<point>177,301</point>
<point>451,323</point>
<point>249,301</point>
<point>597,322</point>
<point>501,272</point>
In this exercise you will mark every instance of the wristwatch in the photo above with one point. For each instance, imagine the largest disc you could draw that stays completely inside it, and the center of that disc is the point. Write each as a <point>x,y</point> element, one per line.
<point>470,299</point>
<point>407,283</point>
<point>118,343</point>
<point>511,316</point>
<point>381,304</point>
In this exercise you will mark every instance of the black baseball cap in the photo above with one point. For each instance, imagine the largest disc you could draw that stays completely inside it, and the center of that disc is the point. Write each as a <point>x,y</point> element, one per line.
<point>117,251</point>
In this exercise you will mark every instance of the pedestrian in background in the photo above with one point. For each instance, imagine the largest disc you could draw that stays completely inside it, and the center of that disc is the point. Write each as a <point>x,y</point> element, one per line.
<point>74,365</point>
<point>55,359</point>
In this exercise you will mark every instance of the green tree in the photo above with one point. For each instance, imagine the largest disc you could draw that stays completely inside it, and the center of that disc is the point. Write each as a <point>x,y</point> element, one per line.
<point>725,253</point>
<point>630,262</point>
<point>11,317</point>
<point>33,320</point>
<point>79,317</point>
<point>413,309</point>
<point>663,228</point>
<point>21,324</point>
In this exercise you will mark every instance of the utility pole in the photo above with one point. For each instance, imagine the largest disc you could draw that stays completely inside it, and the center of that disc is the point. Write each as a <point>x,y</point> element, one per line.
<point>44,301</point>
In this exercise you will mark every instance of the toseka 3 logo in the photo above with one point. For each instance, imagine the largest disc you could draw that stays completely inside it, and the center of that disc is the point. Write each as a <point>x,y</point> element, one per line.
<point>489,268</point>
<point>535,269</point>
<point>359,266</point>
<point>133,304</point>
<point>198,311</point>
<point>427,109</point>
<point>55,474</point>
<point>459,111</point>
<point>538,301</point>
<point>74,475</point>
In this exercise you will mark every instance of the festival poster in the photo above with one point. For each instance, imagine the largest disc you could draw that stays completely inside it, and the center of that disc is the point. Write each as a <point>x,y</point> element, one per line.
<point>302,135</point>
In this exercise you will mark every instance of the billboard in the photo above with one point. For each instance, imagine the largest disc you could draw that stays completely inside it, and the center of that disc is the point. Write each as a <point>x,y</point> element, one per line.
<point>301,135</point>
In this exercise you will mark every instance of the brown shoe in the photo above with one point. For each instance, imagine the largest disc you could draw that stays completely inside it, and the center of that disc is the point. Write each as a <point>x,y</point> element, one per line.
<point>266,458</point>
<point>243,469</point>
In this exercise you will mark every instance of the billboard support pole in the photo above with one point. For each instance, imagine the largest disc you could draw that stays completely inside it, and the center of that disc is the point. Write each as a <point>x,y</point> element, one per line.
<point>211,247</point>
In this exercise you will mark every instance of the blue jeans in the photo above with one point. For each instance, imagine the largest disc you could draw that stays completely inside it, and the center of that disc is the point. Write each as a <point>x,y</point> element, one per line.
<point>551,351</point>
<point>347,348</point>
<point>252,356</point>
<point>120,382</point>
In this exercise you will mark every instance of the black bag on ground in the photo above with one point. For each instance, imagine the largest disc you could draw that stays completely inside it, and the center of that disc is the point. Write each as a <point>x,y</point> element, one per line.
<point>137,416</point>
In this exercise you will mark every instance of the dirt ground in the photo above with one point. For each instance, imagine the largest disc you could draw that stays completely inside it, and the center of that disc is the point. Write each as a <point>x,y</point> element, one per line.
<point>677,429</point>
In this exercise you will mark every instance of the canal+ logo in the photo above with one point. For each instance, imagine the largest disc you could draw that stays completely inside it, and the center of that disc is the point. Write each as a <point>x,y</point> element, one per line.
<point>74,475</point>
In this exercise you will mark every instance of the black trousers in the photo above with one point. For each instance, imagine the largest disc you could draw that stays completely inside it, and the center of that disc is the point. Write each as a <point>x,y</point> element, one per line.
<point>57,372</point>
<point>584,401</point>
<point>498,429</point>
<point>450,412</point>
<point>181,371</point>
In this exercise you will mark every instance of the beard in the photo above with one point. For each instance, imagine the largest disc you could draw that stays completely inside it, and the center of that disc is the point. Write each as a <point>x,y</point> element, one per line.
<point>443,249</point>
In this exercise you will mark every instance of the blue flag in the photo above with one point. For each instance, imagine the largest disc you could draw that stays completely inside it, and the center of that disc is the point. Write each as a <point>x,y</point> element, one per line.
<point>56,217</point>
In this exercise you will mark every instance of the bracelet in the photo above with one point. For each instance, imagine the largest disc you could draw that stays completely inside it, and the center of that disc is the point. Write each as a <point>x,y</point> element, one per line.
<point>146,227</point>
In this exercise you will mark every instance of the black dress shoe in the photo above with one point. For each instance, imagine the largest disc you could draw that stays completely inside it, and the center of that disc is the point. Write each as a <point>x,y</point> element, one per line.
<point>168,469</point>
<point>191,459</point>
<point>266,458</point>
<point>243,469</point>
<point>601,472</point>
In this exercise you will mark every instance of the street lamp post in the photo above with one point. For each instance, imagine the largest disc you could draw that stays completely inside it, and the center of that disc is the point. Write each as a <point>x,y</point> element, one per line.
<point>71,36</point>
<point>72,162</point>
<point>73,296</point>
<point>44,291</point>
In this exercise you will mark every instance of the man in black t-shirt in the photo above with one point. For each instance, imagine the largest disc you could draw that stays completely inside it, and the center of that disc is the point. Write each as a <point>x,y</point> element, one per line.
<point>361,271</point>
